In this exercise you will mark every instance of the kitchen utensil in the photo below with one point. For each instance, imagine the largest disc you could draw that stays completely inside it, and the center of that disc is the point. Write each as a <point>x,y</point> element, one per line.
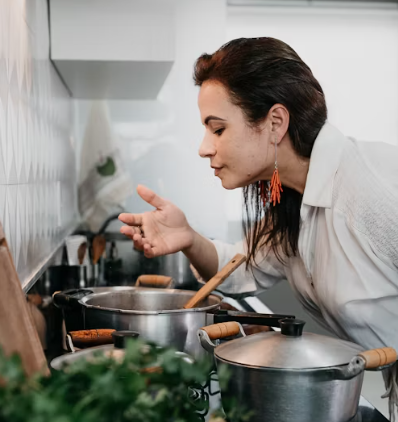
<point>81,254</point>
<point>17,330</point>
<point>291,376</point>
<point>157,314</point>
<point>72,244</point>
<point>150,280</point>
<point>98,247</point>
<point>99,244</point>
<point>215,281</point>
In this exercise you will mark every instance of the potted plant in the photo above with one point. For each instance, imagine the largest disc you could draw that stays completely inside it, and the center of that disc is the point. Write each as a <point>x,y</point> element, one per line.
<point>148,384</point>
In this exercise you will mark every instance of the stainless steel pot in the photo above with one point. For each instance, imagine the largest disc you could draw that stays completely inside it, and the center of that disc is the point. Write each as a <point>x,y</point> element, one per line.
<point>114,351</point>
<point>156,314</point>
<point>291,376</point>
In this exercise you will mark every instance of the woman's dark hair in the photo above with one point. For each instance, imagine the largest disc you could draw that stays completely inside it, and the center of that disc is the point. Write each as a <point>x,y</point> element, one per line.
<point>258,73</point>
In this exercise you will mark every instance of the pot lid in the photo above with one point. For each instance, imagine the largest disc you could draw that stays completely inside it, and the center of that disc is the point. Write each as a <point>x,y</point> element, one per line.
<point>288,349</point>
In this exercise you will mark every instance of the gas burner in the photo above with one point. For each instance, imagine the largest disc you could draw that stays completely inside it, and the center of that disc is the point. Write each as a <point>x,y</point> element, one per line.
<point>356,418</point>
<point>200,395</point>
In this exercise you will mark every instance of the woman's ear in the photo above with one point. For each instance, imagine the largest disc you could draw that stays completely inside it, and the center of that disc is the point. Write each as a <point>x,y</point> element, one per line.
<point>279,118</point>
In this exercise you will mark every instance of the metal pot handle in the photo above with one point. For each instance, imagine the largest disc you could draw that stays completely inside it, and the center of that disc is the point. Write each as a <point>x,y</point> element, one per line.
<point>375,359</point>
<point>252,318</point>
<point>70,298</point>
<point>149,280</point>
<point>218,331</point>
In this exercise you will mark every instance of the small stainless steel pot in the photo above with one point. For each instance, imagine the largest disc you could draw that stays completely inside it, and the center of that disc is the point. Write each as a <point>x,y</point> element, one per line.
<point>293,376</point>
<point>114,351</point>
<point>156,314</point>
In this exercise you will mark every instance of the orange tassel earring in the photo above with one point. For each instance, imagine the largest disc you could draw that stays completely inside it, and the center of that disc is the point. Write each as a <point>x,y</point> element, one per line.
<point>270,192</point>
<point>276,185</point>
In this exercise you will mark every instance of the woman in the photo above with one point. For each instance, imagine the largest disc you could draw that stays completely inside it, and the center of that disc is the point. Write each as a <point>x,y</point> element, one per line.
<point>328,221</point>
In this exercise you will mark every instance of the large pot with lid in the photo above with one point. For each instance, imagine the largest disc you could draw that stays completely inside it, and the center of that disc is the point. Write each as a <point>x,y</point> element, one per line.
<point>291,376</point>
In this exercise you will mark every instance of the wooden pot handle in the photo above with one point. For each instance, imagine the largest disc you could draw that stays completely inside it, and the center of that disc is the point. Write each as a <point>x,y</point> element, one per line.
<point>222,330</point>
<point>160,281</point>
<point>213,283</point>
<point>378,357</point>
<point>90,338</point>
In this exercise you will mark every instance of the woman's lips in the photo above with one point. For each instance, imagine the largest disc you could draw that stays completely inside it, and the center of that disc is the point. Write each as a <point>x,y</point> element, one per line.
<point>217,171</point>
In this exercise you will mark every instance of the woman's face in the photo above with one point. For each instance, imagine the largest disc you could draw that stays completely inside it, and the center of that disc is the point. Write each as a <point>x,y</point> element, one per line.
<point>239,154</point>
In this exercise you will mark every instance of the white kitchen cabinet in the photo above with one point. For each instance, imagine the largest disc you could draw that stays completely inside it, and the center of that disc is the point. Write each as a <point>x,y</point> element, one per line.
<point>118,49</point>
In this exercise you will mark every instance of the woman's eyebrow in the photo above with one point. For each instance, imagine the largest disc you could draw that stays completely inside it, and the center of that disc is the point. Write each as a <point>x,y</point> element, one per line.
<point>208,118</point>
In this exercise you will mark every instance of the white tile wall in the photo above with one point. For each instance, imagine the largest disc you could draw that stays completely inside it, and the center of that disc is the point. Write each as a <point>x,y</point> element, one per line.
<point>37,164</point>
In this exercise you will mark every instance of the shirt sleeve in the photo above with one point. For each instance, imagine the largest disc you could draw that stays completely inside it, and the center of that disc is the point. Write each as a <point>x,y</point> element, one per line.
<point>369,204</point>
<point>370,314</point>
<point>266,273</point>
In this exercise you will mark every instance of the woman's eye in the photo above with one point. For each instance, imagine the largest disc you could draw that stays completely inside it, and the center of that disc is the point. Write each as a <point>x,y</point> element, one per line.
<point>219,132</point>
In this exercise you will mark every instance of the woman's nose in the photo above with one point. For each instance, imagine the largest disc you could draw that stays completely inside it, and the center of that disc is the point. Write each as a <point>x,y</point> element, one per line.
<point>207,148</point>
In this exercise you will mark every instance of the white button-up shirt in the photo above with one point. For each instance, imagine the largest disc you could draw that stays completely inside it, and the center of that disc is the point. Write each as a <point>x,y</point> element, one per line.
<point>346,274</point>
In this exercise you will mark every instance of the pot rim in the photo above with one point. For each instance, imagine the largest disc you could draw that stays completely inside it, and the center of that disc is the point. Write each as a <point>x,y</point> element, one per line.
<point>61,362</point>
<point>83,301</point>
<point>285,370</point>
<point>328,373</point>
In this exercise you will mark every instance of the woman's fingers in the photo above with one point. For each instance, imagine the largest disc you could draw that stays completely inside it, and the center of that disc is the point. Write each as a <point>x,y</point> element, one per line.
<point>137,236</point>
<point>149,252</point>
<point>150,196</point>
<point>131,219</point>
<point>130,231</point>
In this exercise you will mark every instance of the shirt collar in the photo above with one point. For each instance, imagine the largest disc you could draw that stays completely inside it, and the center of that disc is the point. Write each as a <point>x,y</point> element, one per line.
<point>324,162</point>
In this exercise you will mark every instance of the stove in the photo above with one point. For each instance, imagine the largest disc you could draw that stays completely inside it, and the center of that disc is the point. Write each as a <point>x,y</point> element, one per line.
<point>207,398</point>
<point>367,413</point>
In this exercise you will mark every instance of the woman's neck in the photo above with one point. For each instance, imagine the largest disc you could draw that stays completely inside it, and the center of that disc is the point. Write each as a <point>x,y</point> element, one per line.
<point>293,169</point>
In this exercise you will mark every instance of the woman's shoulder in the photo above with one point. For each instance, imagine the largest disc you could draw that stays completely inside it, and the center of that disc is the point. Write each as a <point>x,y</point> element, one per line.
<point>365,190</point>
<point>367,170</point>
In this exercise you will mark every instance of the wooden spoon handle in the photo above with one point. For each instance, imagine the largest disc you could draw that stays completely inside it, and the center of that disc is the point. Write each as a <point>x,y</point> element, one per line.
<point>99,245</point>
<point>213,283</point>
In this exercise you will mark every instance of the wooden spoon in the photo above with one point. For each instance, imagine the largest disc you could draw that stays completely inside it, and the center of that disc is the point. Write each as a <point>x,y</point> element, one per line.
<point>99,243</point>
<point>214,282</point>
<point>81,252</point>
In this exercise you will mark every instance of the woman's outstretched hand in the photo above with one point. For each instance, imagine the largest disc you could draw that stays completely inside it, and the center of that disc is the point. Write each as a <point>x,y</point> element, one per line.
<point>164,230</point>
